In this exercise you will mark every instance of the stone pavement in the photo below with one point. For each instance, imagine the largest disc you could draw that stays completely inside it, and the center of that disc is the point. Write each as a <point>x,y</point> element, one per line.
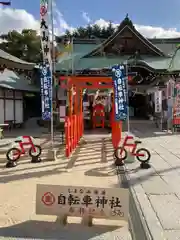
<point>157,190</point>
<point>18,189</point>
<point>5,142</point>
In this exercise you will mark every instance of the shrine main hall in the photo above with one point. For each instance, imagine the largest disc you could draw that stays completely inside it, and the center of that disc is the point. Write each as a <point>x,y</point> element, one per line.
<point>151,63</point>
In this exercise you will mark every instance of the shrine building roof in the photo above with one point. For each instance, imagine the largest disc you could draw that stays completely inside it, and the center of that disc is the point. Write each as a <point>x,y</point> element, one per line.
<point>126,44</point>
<point>13,62</point>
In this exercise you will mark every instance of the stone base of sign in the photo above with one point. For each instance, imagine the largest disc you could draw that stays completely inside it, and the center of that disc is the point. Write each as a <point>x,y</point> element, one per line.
<point>51,156</point>
<point>62,219</point>
<point>87,221</point>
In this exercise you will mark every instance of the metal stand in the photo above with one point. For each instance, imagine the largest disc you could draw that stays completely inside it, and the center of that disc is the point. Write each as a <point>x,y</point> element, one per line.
<point>145,165</point>
<point>35,159</point>
<point>119,164</point>
<point>11,164</point>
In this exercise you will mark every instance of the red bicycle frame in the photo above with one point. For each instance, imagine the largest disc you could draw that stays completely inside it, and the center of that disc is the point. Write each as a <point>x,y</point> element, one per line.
<point>132,145</point>
<point>28,142</point>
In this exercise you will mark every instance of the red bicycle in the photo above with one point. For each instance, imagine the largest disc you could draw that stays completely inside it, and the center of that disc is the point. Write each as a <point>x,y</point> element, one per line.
<point>14,153</point>
<point>142,154</point>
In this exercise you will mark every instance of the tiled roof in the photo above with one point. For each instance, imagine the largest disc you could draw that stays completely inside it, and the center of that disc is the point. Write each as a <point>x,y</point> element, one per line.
<point>154,63</point>
<point>175,62</point>
<point>11,58</point>
<point>11,80</point>
<point>84,50</point>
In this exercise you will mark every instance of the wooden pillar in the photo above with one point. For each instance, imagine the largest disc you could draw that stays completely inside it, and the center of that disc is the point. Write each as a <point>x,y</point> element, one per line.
<point>75,116</point>
<point>78,114</point>
<point>70,101</point>
<point>68,122</point>
<point>80,110</point>
<point>71,116</point>
<point>81,100</point>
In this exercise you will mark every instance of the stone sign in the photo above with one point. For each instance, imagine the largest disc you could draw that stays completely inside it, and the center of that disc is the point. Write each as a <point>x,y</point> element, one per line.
<point>111,203</point>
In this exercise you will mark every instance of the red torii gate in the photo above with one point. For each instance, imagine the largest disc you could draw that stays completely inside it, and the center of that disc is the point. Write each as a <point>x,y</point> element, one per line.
<point>74,122</point>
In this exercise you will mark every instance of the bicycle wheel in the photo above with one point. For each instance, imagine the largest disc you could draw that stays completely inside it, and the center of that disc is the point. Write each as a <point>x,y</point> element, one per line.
<point>146,154</point>
<point>37,153</point>
<point>120,155</point>
<point>13,154</point>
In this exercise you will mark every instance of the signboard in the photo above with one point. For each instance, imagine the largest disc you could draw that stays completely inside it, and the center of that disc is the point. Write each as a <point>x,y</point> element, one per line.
<point>170,88</point>
<point>176,109</point>
<point>158,101</point>
<point>120,92</point>
<point>111,203</point>
<point>46,88</point>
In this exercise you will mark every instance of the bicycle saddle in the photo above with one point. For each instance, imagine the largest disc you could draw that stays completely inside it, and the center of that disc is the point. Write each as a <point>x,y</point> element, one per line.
<point>18,141</point>
<point>137,142</point>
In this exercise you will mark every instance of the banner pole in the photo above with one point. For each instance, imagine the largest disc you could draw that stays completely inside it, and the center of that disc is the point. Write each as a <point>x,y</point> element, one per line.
<point>72,57</point>
<point>127,87</point>
<point>52,73</point>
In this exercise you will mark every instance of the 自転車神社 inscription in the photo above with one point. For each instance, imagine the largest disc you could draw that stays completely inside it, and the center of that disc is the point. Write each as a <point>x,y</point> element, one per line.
<point>111,203</point>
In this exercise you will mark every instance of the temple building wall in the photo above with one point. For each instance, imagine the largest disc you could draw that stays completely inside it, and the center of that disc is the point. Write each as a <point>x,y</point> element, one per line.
<point>11,106</point>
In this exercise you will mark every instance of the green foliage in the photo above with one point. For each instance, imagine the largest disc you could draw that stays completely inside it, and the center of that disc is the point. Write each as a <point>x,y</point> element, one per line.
<point>90,32</point>
<point>25,45</point>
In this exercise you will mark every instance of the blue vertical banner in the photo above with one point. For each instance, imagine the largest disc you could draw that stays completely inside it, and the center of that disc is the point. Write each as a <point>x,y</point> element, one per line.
<point>46,88</point>
<point>120,92</point>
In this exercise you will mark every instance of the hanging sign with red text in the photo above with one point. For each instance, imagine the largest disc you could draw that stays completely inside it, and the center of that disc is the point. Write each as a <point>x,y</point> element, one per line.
<point>44,31</point>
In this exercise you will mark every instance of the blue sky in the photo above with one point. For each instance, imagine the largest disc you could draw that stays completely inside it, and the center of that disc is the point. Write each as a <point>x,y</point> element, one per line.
<point>155,18</point>
<point>164,13</point>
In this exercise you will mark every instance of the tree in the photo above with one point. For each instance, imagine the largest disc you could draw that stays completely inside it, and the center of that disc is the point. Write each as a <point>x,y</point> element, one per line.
<point>68,33</point>
<point>104,33</point>
<point>96,30</point>
<point>90,31</point>
<point>110,29</point>
<point>81,32</point>
<point>25,45</point>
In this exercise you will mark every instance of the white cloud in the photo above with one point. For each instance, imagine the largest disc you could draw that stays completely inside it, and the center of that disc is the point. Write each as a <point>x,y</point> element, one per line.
<point>86,17</point>
<point>18,19</point>
<point>158,32</point>
<point>147,31</point>
<point>102,23</point>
